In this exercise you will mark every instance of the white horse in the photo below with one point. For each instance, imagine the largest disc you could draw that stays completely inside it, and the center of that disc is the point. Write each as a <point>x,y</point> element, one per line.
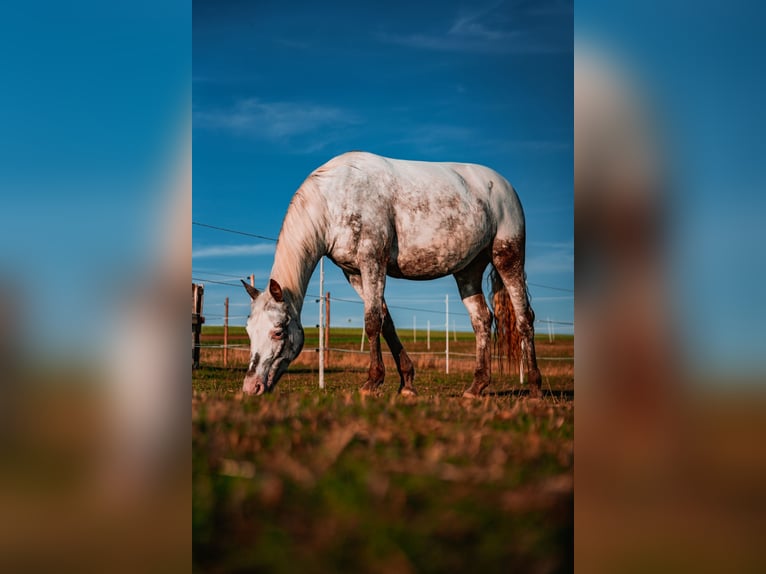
<point>373,217</point>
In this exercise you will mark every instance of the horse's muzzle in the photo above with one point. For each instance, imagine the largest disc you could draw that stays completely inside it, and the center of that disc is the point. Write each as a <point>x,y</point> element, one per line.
<point>254,385</point>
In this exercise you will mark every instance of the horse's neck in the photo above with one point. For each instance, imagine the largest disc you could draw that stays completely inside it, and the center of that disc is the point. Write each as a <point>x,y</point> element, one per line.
<point>300,245</point>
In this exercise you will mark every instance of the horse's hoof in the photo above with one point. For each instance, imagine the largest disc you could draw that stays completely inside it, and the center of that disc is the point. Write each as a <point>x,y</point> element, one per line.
<point>369,388</point>
<point>405,392</point>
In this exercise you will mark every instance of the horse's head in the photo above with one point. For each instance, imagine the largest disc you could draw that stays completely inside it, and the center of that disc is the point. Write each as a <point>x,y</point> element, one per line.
<point>276,338</point>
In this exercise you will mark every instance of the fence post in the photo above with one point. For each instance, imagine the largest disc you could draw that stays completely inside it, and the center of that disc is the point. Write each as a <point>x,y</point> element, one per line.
<point>327,331</point>
<point>428,334</point>
<point>252,280</point>
<point>321,323</point>
<point>521,364</point>
<point>446,331</point>
<point>226,332</point>
<point>198,293</point>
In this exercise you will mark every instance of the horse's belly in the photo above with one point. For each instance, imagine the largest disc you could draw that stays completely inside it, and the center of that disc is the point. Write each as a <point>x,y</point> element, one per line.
<point>435,245</point>
<point>418,262</point>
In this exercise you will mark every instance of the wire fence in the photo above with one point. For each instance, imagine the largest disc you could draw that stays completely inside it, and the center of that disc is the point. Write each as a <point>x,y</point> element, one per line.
<point>323,350</point>
<point>200,279</point>
<point>358,302</point>
<point>203,278</point>
<point>355,352</point>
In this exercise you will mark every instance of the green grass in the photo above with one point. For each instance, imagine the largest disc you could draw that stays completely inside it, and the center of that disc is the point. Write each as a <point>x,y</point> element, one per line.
<point>305,480</point>
<point>351,336</point>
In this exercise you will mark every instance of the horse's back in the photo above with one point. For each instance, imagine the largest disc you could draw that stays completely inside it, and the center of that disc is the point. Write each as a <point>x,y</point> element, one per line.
<point>437,217</point>
<point>410,185</point>
<point>356,171</point>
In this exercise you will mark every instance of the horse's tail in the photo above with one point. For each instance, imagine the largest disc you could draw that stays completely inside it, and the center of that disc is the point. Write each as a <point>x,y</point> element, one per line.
<point>506,336</point>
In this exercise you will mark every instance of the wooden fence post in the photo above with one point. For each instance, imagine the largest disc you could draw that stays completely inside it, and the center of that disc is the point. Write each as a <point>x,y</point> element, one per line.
<point>327,331</point>
<point>226,332</point>
<point>446,332</point>
<point>198,293</point>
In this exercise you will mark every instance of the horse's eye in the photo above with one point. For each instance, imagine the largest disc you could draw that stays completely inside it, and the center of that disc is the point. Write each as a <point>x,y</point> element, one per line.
<point>277,334</point>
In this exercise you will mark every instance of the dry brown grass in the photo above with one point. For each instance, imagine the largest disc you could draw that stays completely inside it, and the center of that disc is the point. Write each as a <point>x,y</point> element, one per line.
<point>334,481</point>
<point>555,359</point>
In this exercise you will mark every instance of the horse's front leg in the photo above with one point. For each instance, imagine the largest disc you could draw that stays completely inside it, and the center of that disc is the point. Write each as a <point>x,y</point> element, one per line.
<point>372,327</point>
<point>373,284</point>
<point>401,358</point>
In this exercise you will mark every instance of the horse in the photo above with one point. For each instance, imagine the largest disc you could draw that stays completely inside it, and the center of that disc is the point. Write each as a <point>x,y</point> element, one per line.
<point>376,217</point>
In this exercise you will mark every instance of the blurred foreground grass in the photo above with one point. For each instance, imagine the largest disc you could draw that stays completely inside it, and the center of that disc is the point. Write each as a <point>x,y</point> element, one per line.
<point>329,481</point>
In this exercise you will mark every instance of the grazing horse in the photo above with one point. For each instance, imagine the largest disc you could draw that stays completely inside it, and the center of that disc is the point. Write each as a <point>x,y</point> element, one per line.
<point>374,216</point>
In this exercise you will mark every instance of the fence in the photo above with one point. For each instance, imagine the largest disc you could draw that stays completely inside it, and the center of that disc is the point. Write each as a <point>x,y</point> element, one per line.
<point>198,293</point>
<point>350,363</point>
<point>323,350</point>
<point>351,360</point>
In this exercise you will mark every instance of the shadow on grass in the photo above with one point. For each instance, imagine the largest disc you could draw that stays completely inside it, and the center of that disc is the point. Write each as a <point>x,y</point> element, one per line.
<point>294,369</point>
<point>556,394</point>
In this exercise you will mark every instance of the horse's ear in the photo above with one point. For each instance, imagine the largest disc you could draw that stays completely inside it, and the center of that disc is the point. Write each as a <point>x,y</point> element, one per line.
<point>276,291</point>
<point>252,291</point>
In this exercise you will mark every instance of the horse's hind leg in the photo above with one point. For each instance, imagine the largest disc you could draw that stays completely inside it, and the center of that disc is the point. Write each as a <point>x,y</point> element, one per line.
<point>469,285</point>
<point>403,363</point>
<point>508,259</point>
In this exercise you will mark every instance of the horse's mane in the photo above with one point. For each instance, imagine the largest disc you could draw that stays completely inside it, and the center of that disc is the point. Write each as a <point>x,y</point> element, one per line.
<point>301,239</point>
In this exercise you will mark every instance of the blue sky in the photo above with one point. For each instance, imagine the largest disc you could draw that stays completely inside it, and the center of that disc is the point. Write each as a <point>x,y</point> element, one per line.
<point>93,108</point>
<point>705,90</point>
<point>278,90</point>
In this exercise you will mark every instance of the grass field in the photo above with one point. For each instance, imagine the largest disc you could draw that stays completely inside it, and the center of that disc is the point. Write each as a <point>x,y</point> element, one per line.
<point>305,480</point>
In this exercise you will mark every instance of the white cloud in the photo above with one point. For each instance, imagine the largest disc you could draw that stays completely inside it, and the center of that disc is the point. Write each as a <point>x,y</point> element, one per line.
<point>436,138</point>
<point>276,121</point>
<point>234,250</point>
<point>550,257</point>
<point>469,27</point>
<point>558,245</point>
<point>440,138</point>
<point>483,31</point>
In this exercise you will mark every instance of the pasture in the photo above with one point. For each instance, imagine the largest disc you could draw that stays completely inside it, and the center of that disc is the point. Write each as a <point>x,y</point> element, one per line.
<point>310,480</point>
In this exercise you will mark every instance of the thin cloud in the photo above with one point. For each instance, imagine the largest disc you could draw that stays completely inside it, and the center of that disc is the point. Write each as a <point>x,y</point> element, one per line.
<point>487,31</point>
<point>234,250</point>
<point>276,121</point>
<point>505,146</point>
<point>555,257</point>
<point>555,245</point>
<point>436,138</point>
<point>439,138</point>
<point>469,27</point>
